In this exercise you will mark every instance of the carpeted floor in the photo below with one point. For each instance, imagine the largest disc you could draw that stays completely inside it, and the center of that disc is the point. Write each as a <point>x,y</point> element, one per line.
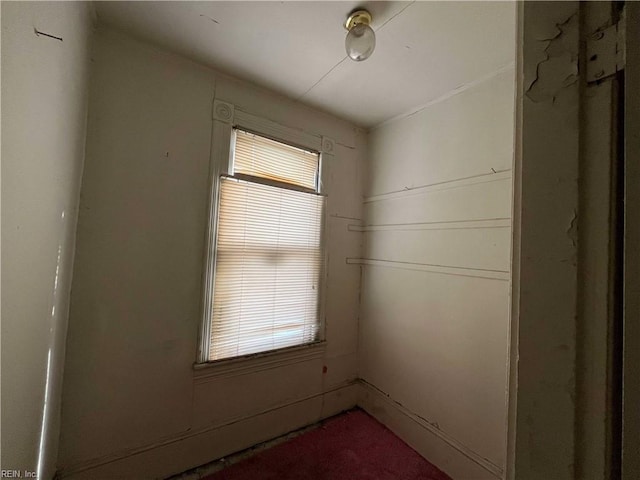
<point>352,446</point>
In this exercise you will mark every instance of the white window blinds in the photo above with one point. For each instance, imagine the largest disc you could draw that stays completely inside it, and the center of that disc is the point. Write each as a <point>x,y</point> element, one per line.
<point>262,157</point>
<point>268,252</point>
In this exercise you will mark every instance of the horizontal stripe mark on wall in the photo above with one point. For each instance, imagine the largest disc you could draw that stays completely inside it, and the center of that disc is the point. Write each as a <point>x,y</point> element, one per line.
<point>502,275</point>
<point>446,185</point>
<point>342,217</point>
<point>504,222</point>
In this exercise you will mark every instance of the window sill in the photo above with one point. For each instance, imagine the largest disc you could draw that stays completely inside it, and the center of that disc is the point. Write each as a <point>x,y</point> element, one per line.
<point>206,372</point>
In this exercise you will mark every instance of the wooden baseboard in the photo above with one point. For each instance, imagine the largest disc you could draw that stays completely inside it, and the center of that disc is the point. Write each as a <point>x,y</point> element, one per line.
<point>198,447</point>
<point>446,453</point>
<point>192,449</point>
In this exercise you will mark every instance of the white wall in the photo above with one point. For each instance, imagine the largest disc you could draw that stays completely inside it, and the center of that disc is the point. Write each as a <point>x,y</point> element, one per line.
<point>133,405</point>
<point>44,104</point>
<point>435,291</point>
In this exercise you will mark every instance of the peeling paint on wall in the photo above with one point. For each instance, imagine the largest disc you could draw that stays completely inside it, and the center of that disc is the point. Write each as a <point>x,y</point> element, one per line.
<point>558,68</point>
<point>542,425</point>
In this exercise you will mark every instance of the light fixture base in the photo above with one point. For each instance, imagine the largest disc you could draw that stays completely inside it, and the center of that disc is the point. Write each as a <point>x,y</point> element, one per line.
<point>357,17</point>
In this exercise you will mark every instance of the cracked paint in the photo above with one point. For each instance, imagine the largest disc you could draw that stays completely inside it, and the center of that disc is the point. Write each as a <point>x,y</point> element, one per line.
<point>572,231</point>
<point>558,67</point>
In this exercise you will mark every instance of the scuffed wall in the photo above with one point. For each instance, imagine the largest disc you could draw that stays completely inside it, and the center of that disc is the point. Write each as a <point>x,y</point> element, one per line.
<point>133,406</point>
<point>434,321</point>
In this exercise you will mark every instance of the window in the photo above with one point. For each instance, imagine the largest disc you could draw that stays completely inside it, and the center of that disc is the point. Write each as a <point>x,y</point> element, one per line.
<point>268,249</point>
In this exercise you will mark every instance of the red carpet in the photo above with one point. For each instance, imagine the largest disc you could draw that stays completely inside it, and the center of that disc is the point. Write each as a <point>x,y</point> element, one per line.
<point>352,446</point>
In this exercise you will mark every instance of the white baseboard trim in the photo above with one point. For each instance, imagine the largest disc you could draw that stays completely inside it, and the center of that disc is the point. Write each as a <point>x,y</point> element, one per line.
<point>191,449</point>
<point>455,459</point>
<point>194,448</point>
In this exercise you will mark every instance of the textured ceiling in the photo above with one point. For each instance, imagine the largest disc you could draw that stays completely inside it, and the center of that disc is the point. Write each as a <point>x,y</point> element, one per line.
<point>423,49</point>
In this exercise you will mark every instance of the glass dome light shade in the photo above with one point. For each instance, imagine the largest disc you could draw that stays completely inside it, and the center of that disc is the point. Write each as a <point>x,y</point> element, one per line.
<point>360,42</point>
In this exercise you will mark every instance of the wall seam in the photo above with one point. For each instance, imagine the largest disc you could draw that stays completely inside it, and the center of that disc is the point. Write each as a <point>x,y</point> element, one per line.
<point>449,94</point>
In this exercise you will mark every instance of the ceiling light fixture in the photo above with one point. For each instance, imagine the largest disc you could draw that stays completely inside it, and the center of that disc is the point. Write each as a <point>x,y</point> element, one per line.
<point>361,39</point>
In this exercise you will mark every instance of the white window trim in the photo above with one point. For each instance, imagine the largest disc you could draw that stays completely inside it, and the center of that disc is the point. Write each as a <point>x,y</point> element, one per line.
<point>226,117</point>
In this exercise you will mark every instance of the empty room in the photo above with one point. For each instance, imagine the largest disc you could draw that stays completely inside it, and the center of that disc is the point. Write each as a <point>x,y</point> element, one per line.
<point>319,240</point>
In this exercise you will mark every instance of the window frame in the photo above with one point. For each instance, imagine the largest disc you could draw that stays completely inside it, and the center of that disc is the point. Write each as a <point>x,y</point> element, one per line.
<point>226,119</point>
